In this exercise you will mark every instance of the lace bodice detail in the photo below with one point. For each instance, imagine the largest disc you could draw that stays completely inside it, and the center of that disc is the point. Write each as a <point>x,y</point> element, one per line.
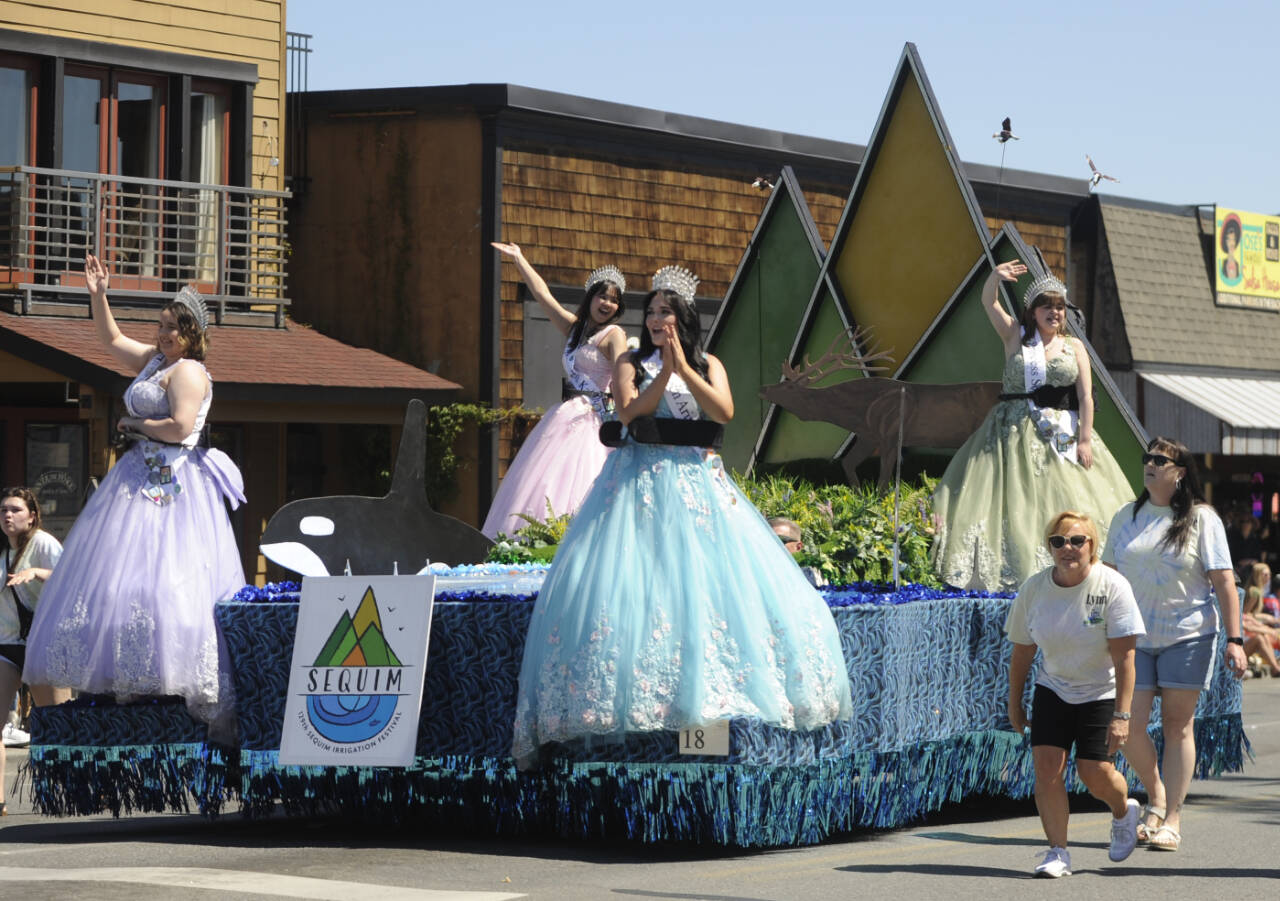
<point>588,362</point>
<point>147,398</point>
<point>1061,370</point>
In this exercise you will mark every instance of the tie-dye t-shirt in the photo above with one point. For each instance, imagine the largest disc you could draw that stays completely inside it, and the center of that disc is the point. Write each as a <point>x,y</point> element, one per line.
<point>1173,589</point>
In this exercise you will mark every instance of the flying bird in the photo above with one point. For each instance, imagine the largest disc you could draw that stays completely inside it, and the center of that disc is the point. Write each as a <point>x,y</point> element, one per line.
<point>1096,176</point>
<point>1006,132</point>
<point>764,182</point>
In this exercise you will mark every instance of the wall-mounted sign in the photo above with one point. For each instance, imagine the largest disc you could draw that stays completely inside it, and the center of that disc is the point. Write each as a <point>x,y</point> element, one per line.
<point>56,471</point>
<point>1246,259</point>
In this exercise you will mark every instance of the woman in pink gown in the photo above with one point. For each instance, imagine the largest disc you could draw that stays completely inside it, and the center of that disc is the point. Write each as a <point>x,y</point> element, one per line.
<point>563,455</point>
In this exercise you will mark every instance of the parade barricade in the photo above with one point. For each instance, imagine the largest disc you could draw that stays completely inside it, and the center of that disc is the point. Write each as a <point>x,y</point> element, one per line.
<point>928,671</point>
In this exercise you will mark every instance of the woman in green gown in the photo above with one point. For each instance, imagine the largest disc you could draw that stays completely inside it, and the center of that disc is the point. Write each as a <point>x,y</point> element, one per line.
<point>1035,454</point>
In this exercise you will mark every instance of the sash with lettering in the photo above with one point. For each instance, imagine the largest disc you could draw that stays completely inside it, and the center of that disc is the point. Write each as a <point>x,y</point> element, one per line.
<point>678,396</point>
<point>1057,427</point>
<point>580,381</point>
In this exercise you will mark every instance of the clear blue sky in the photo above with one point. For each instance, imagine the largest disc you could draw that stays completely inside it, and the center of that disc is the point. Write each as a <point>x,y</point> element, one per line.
<point>1179,100</point>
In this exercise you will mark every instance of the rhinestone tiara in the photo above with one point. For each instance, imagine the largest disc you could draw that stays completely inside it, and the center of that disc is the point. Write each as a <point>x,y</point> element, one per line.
<point>190,298</point>
<point>677,279</point>
<point>607,274</point>
<point>1045,284</point>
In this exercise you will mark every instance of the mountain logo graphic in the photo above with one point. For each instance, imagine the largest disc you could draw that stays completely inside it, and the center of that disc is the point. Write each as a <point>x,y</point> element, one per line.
<point>355,683</point>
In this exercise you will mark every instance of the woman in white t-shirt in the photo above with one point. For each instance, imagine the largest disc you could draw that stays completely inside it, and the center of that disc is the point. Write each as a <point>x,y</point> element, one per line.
<point>29,556</point>
<point>1085,622</point>
<point>1172,548</point>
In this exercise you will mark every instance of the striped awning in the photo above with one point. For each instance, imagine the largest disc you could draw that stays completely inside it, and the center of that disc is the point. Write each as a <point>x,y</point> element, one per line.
<point>1246,410</point>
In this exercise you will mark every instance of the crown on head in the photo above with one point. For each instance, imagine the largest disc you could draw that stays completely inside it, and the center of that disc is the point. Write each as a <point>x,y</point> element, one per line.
<point>677,279</point>
<point>610,274</point>
<point>1045,284</point>
<point>190,298</point>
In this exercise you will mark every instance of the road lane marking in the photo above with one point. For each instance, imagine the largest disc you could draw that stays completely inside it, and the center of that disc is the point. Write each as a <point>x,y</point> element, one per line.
<point>244,881</point>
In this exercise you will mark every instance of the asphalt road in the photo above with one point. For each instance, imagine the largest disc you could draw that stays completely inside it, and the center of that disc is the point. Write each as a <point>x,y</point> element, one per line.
<point>1229,849</point>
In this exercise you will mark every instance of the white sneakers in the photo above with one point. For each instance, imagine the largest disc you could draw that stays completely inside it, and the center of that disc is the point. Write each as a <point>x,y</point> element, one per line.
<point>1057,862</point>
<point>1124,831</point>
<point>1124,837</point>
<point>15,737</point>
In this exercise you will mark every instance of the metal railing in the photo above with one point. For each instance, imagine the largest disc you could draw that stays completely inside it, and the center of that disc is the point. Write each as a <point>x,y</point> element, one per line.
<point>299,50</point>
<point>154,235</point>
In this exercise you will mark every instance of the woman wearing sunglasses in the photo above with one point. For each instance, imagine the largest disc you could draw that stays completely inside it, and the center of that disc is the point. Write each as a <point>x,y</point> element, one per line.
<point>1172,547</point>
<point>1036,452</point>
<point>1086,623</point>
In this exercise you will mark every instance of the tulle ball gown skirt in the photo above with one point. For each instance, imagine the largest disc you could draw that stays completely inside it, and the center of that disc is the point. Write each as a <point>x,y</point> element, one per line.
<point>556,466</point>
<point>128,611</point>
<point>671,603</point>
<point>1000,491</point>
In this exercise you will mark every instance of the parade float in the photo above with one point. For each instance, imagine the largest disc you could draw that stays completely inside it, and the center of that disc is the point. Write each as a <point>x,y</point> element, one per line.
<point>928,668</point>
<point>928,665</point>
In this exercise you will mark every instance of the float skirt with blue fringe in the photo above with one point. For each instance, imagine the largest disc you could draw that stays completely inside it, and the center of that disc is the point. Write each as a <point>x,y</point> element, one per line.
<point>929,674</point>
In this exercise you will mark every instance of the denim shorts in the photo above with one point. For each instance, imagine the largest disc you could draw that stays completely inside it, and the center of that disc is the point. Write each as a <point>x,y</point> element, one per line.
<point>1187,664</point>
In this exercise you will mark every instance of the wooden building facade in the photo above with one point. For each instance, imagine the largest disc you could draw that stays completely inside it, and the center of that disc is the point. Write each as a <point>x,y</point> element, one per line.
<point>173,53</point>
<point>150,134</point>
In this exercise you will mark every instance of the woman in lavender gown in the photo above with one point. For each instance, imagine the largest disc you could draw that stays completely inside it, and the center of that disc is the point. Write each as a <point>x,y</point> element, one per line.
<point>563,455</point>
<point>129,610</point>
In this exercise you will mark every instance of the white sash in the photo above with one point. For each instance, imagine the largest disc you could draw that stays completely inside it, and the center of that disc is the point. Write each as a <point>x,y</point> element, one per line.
<point>679,399</point>
<point>1056,427</point>
<point>580,381</point>
<point>576,379</point>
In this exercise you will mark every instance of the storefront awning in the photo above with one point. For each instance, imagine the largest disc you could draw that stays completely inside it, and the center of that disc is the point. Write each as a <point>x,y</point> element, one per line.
<point>1235,415</point>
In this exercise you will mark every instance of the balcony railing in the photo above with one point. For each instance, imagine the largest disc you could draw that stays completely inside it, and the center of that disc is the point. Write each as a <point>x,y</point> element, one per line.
<point>155,236</point>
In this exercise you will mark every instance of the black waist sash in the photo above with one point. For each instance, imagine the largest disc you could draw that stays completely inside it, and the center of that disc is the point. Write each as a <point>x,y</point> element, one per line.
<point>660,430</point>
<point>123,441</point>
<point>1058,397</point>
<point>568,392</point>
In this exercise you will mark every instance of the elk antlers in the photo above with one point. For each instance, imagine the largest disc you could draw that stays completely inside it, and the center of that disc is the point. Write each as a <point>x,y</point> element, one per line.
<point>847,357</point>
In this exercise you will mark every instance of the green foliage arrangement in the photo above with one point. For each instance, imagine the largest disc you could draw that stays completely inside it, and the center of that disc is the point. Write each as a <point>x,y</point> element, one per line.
<point>848,532</point>
<point>444,424</point>
<point>535,542</point>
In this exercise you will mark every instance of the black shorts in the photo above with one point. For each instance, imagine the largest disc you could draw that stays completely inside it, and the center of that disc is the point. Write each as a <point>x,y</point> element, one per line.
<point>14,653</point>
<point>1059,724</point>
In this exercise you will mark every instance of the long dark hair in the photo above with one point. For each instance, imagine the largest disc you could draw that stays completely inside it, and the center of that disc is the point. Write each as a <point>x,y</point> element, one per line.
<point>27,496</point>
<point>688,328</point>
<point>1029,327</point>
<point>1186,496</point>
<point>583,325</point>
<point>195,343</point>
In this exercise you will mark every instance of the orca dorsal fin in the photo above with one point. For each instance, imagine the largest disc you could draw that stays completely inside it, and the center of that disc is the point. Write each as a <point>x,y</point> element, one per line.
<point>409,478</point>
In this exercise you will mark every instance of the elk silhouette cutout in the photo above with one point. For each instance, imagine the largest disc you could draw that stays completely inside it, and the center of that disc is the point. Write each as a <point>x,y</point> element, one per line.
<point>884,414</point>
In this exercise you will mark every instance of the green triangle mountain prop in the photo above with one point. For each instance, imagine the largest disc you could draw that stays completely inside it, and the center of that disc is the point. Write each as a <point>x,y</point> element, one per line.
<point>763,310</point>
<point>909,234</point>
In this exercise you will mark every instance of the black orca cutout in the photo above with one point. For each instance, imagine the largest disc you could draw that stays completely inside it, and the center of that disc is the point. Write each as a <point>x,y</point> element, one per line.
<point>375,533</point>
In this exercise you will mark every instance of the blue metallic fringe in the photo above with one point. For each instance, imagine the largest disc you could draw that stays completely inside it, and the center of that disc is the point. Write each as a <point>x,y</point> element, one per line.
<point>708,803</point>
<point>705,803</point>
<point>68,780</point>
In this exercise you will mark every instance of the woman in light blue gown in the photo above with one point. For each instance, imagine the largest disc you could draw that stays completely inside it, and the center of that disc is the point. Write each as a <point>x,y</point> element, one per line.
<point>671,603</point>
